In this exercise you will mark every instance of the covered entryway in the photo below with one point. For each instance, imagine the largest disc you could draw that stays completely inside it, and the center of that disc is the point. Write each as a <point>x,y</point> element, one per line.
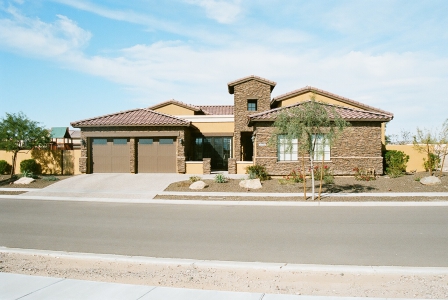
<point>110,155</point>
<point>156,155</point>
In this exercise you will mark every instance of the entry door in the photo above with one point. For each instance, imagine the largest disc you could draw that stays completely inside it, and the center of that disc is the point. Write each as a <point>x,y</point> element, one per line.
<point>218,149</point>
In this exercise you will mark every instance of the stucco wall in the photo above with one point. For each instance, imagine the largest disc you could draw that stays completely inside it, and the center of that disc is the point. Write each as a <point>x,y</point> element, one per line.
<point>415,158</point>
<point>307,96</point>
<point>174,110</point>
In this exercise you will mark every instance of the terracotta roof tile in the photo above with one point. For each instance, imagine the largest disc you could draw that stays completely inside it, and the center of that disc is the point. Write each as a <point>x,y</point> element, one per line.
<point>328,94</point>
<point>349,114</point>
<point>217,109</point>
<point>135,117</point>
<point>231,84</point>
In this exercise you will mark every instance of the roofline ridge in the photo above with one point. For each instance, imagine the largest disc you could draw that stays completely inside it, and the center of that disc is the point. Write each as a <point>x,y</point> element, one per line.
<point>107,115</point>
<point>174,101</point>
<point>165,115</point>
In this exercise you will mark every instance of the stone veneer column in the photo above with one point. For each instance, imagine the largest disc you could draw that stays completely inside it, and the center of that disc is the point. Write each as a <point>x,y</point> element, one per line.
<point>83,160</point>
<point>231,165</point>
<point>132,155</point>
<point>181,164</point>
<point>207,166</point>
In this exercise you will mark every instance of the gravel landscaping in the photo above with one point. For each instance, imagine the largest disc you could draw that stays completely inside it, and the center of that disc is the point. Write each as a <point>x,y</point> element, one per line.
<point>41,182</point>
<point>382,184</point>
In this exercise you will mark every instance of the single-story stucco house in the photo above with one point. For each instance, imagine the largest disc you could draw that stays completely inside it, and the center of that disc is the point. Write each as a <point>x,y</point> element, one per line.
<point>174,137</point>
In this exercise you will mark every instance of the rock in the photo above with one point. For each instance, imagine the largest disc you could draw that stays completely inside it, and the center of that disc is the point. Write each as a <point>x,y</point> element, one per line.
<point>430,180</point>
<point>198,185</point>
<point>252,184</point>
<point>24,180</point>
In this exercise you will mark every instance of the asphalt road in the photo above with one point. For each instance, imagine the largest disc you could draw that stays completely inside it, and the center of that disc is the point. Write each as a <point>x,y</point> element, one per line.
<point>386,236</point>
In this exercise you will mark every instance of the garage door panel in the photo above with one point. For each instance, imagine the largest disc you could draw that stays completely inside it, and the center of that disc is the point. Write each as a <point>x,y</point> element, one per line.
<point>157,155</point>
<point>110,155</point>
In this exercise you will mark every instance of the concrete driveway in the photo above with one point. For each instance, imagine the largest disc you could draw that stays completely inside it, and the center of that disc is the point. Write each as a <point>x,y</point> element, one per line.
<point>128,186</point>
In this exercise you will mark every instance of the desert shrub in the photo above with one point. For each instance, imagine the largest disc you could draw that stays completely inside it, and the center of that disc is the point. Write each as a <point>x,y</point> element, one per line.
<point>257,171</point>
<point>395,162</point>
<point>431,164</point>
<point>327,174</point>
<point>194,178</point>
<point>220,178</point>
<point>29,166</point>
<point>293,177</point>
<point>50,178</point>
<point>5,168</point>
<point>363,175</point>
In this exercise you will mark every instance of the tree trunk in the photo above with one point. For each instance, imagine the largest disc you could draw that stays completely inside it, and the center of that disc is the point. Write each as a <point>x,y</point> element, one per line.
<point>429,159</point>
<point>304,176</point>
<point>312,178</point>
<point>321,175</point>
<point>13,167</point>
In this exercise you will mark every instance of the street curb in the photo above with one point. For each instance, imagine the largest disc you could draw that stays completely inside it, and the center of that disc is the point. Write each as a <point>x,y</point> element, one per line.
<point>232,264</point>
<point>232,203</point>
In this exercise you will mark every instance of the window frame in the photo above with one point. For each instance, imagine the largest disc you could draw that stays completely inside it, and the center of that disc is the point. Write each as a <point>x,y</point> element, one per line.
<point>282,153</point>
<point>318,151</point>
<point>252,102</point>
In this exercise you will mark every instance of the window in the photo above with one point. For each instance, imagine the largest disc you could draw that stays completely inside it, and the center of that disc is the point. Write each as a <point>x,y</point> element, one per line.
<point>252,105</point>
<point>100,141</point>
<point>286,151</point>
<point>120,141</point>
<point>322,148</point>
<point>166,141</point>
<point>145,141</point>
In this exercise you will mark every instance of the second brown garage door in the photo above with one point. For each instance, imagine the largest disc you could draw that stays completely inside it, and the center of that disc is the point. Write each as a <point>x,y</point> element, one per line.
<point>156,155</point>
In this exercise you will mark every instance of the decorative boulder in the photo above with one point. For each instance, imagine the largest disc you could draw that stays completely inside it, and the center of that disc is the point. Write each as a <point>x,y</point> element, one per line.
<point>24,180</point>
<point>198,185</point>
<point>430,180</point>
<point>252,184</point>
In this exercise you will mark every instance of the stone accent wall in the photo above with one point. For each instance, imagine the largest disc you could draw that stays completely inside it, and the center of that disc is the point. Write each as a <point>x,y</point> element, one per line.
<point>83,160</point>
<point>252,89</point>
<point>231,165</point>
<point>132,156</point>
<point>207,166</point>
<point>357,146</point>
<point>181,168</point>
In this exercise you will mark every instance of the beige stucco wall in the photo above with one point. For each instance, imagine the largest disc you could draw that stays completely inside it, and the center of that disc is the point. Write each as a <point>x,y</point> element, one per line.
<point>241,166</point>
<point>308,95</point>
<point>174,110</point>
<point>47,160</point>
<point>415,158</point>
<point>195,167</point>
<point>215,127</point>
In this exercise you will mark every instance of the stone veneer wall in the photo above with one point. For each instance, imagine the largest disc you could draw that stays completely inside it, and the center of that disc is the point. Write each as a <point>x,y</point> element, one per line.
<point>231,165</point>
<point>252,89</point>
<point>207,166</point>
<point>357,146</point>
<point>85,161</point>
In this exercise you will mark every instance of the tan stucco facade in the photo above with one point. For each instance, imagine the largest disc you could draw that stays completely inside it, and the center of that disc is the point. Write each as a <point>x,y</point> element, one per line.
<point>307,96</point>
<point>174,110</point>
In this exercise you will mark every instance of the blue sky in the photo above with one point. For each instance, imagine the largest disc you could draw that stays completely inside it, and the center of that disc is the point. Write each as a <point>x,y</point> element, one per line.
<point>67,60</point>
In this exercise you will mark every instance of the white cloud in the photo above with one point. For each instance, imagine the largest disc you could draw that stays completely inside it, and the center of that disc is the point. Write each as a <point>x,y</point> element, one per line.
<point>35,37</point>
<point>225,12</point>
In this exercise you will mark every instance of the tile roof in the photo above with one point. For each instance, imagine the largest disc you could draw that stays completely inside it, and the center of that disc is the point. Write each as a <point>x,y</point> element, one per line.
<point>175,102</point>
<point>349,114</point>
<point>231,84</point>
<point>217,109</point>
<point>328,94</point>
<point>134,117</point>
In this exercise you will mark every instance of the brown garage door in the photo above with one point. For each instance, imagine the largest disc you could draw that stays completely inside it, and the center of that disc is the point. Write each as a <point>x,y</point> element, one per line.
<point>111,155</point>
<point>156,155</point>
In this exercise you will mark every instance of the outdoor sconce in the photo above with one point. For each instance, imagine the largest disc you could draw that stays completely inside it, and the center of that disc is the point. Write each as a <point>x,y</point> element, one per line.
<point>83,142</point>
<point>253,138</point>
<point>181,141</point>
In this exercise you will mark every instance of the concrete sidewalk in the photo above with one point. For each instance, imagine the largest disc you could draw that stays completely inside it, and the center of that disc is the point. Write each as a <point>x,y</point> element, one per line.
<point>27,287</point>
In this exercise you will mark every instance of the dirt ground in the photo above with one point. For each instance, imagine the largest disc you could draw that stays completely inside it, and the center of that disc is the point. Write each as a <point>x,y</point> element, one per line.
<point>231,279</point>
<point>346,184</point>
<point>41,182</point>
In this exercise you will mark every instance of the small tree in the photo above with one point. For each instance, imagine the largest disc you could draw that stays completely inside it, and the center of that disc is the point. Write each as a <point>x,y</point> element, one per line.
<point>309,123</point>
<point>434,145</point>
<point>18,133</point>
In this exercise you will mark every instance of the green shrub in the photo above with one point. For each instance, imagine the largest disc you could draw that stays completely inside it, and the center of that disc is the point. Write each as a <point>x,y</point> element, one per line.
<point>363,174</point>
<point>395,162</point>
<point>194,178</point>
<point>50,178</point>
<point>257,171</point>
<point>433,162</point>
<point>327,174</point>
<point>29,166</point>
<point>220,178</point>
<point>293,177</point>
<point>5,168</point>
